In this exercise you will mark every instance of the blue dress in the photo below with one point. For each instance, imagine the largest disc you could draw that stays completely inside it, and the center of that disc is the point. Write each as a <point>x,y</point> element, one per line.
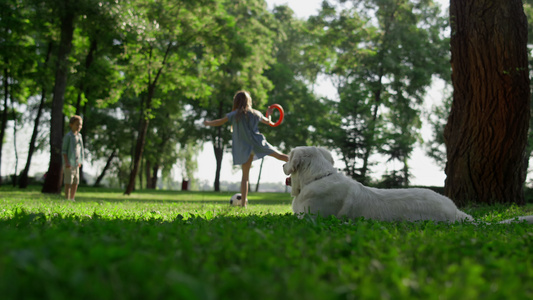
<point>246,138</point>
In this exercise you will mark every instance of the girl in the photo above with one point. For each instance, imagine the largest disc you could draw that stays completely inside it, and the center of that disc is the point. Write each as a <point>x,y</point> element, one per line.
<point>247,142</point>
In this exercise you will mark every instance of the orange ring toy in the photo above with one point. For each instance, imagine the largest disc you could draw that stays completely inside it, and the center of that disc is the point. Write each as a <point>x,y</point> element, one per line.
<point>281,114</point>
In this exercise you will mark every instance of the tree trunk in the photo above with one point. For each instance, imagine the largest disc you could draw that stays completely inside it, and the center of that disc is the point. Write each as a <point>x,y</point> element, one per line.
<point>5,111</point>
<point>141,138</point>
<point>487,127</point>
<point>139,148</point>
<point>370,140</point>
<point>148,170</point>
<point>23,181</point>
<point>219,153</point>
<point>143,161</point>
<point>153,179</point>
<point>15,143</point>
<point>218,146</point>
<point>106,167</point>
<point>406,173</point>
<point>52,182</point>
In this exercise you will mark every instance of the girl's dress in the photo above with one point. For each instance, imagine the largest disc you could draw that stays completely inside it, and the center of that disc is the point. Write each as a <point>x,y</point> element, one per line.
<point>246,138</point>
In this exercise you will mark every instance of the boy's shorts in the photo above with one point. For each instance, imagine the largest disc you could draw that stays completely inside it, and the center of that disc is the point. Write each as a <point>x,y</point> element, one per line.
<point>71,175</point>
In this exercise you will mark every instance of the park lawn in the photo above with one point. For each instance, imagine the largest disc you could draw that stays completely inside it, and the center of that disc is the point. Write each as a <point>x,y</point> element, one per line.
<point>194,245</point>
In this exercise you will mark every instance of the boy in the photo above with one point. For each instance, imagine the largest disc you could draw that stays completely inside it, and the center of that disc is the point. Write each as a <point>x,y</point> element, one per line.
<point>72,151</point>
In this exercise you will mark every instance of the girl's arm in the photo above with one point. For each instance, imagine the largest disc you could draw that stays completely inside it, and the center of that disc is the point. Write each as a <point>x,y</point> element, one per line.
<point>268,120</point>
<point>217,122</point>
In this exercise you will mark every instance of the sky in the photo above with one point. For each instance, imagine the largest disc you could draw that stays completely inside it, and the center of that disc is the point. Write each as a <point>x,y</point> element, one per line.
<point>424,171</point>
<point>306,8</point>
<point>302,8</point>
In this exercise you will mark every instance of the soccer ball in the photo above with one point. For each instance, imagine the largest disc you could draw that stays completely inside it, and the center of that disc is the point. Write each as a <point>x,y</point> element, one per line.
<point>236,199</point>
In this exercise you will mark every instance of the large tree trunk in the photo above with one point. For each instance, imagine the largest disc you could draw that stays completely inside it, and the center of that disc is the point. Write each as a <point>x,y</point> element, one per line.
<point>487,128</point>
<point>23,182</point>
<point>52,182</point>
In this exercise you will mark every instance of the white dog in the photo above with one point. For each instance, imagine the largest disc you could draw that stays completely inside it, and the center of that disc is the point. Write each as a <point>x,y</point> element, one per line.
<point>318,189</point>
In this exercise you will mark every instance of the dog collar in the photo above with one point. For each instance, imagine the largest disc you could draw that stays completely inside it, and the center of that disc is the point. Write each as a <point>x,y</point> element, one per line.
<point>323,176</point>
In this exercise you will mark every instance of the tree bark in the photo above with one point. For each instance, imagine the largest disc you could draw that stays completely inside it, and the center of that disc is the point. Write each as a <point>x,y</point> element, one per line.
<point>23,182</point>
<point>52,182</point>
<point>486,133</point>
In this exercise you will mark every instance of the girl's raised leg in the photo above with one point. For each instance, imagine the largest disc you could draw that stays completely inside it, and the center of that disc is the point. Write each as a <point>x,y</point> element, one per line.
<point>280,156</point>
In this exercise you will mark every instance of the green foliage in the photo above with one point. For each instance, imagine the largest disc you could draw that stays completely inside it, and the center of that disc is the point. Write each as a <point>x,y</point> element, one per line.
<point>169,141</point>
<point>245,47</point>
<point>109,131</point>
<point>18,61</point>
<point>384,54</point>
<point>438,118</point>
<point>177,62</point>
<point>164,38</point>
<point>381,54</point>
<point>307,116</point>
<point>154,245</point>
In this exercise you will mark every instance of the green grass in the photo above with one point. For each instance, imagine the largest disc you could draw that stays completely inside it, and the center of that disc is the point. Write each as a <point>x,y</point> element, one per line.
<point>193,245</point>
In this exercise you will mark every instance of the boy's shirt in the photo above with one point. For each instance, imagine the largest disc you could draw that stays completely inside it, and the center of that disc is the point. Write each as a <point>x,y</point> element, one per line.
<point>73,148</point>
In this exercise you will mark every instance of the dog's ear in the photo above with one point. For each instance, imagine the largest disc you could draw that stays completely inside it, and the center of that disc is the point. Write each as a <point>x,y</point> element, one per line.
<point>294,161</point>
<point>327,155</point>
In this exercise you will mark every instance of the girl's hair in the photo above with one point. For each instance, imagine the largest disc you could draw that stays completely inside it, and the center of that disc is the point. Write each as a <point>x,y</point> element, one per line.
<point>242,102</point>
<point>74,118</point>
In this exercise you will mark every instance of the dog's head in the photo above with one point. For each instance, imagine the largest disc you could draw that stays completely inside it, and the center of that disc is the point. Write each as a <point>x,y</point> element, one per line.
<point>306,164</point>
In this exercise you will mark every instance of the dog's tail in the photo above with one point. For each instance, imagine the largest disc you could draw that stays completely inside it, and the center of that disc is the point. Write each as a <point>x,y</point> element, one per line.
<point>527,219</point>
